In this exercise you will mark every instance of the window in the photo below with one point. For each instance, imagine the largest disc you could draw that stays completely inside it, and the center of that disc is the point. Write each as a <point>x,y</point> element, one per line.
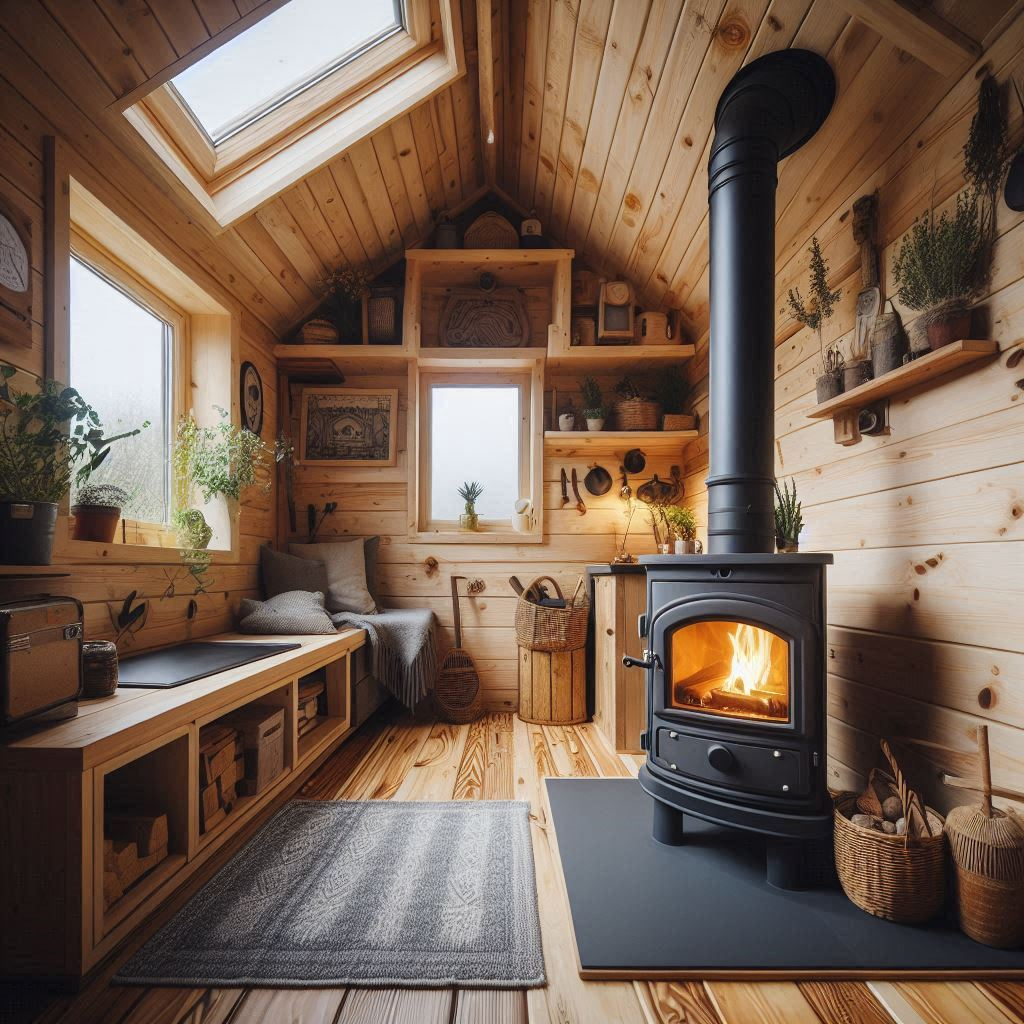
<point>122,361</point>
<point>473,425</point>
<point>279,57</point>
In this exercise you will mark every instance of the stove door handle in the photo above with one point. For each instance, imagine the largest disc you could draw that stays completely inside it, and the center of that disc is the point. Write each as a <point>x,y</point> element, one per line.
<point>649,661</point>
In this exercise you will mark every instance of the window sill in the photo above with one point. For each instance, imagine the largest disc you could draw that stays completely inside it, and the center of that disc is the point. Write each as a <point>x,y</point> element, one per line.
<point>474,537</point>
<point>146,543</point>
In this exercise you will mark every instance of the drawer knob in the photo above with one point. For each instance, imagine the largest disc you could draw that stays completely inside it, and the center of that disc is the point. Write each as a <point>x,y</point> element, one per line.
<point>720,758</point>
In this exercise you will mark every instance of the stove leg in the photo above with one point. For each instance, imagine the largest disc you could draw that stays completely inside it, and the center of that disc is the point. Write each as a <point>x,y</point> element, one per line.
<point>668,824</point>
<point>784,858</point>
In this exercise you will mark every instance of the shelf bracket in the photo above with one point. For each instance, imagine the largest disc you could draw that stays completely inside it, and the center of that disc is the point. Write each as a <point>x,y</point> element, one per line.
<point>849,425</point>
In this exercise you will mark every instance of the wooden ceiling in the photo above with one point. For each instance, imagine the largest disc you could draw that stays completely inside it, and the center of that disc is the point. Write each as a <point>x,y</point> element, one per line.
<point>601,112</point>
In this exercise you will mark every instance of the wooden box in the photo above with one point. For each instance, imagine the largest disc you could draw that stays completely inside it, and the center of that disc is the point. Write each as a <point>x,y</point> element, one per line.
<point>553,686</point>
<point>262,728</point>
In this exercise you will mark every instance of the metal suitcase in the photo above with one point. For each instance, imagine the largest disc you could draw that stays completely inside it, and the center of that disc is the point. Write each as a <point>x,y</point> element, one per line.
<point>40,656</point>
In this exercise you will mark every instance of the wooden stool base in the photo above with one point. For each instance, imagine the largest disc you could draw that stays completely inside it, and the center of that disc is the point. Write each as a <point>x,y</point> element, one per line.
<point>553,686</point>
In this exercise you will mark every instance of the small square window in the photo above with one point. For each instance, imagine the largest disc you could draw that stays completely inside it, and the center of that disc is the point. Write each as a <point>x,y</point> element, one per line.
<point>122,361</point>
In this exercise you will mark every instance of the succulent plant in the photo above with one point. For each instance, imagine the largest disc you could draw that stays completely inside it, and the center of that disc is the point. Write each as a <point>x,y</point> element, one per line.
<point>789,519</point>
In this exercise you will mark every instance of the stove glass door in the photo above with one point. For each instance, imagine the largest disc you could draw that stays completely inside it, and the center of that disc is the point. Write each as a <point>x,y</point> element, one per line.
<point>729,668</point>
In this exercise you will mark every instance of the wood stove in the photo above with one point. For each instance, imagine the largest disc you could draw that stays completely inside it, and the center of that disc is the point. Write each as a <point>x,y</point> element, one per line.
<point>735,638</point>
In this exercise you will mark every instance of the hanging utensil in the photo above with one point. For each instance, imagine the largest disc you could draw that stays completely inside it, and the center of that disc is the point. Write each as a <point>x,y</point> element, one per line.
<point>598,481</point>
<point>580,507</point>
<point>625,491</point>
<point>565,488</point>
<point>458,683</point>
<point>869,299</point>
<point>635,461</point>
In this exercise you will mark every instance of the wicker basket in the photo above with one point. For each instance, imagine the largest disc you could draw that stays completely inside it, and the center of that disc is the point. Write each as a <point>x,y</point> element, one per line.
<point>678,421</point>
<point>459,704</point>
<point>99,668</point>
<point>539,628</point>
<point>319,332</point>
<point>638,414</point>
<point>491,231</point>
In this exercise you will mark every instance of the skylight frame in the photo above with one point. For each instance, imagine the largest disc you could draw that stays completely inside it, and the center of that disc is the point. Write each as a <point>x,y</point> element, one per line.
<point>259,112</point>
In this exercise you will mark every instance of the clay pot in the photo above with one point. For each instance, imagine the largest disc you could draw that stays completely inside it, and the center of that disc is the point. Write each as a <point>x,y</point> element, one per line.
<point>949,328</point>
<point>829,385</point>
<point>95,522</point>
<point>595,424</point>
<point>855,374</point>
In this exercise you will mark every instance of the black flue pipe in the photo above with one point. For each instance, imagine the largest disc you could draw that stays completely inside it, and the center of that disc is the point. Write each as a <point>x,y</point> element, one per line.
<point>769,109</point>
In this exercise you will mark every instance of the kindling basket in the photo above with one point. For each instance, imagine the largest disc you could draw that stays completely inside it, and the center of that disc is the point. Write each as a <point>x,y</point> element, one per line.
<point>539,628</point>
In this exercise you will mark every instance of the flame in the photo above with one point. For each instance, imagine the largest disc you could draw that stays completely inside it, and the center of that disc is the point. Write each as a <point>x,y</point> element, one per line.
<point>751,659</point>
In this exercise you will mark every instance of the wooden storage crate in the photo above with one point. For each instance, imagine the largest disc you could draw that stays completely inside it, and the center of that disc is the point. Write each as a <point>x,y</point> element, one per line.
<point>263,736</point>
<point>553,686</point>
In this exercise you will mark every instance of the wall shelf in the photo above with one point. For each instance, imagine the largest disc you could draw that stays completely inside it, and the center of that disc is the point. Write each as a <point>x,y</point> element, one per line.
<point>566,443</point>
<point>844,410</point>
<point>617,358</point>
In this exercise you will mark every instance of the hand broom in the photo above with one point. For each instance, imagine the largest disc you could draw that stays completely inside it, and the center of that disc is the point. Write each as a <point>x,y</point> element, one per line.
<point>457,692</point>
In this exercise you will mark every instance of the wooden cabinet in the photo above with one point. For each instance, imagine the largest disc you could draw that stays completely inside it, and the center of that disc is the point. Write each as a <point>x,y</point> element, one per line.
<point>620,694</point>
<point>138,752</point>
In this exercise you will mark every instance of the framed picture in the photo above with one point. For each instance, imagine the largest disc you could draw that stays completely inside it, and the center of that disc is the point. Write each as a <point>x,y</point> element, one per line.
<point>348,426</point>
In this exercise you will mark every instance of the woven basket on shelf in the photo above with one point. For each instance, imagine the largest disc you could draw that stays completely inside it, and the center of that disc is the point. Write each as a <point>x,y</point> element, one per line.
<point>319,332</point>
<point>678,421</point>
<point>99,668</point>
<point>899,878</point>
<point>638,414</point>
<point>539,628</point>
<point>491,231</point>
<point>987,845</point>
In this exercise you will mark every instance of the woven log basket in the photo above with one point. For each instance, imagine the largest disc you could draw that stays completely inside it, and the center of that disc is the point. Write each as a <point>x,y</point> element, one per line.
<point>539,628</point>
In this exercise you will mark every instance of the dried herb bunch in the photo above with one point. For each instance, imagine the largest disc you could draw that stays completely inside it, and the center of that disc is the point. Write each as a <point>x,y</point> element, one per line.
<point>818,308</point>
<point>346,284</point>
<point>789,520</point>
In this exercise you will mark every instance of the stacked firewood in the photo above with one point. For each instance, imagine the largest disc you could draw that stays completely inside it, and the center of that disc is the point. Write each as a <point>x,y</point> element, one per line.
<point>309,704</point>
<point>221,766</point>
<point>133,844</point>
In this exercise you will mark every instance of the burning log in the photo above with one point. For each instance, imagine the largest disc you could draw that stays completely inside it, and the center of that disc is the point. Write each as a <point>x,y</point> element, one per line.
<point>757,702</point>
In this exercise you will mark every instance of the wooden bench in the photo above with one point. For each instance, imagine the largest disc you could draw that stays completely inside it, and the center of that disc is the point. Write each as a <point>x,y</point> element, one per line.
<point>138,752</point>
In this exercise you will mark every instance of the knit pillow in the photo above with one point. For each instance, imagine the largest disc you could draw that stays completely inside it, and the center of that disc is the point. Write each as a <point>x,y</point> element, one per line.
<point>346,574</point>
<point>283,573</point>
<point>296,611</point>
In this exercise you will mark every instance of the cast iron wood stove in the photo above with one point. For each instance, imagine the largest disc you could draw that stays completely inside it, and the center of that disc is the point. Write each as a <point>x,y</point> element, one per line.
<point>735,655</point>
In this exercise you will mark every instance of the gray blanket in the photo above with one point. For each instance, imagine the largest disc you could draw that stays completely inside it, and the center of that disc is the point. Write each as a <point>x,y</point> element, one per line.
<point>404,654</point>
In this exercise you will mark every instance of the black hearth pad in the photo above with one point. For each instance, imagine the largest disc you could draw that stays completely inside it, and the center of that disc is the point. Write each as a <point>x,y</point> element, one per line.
<point>704,908</point>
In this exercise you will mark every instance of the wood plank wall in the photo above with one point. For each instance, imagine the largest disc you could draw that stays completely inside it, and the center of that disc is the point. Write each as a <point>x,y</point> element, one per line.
<point>924,635</point>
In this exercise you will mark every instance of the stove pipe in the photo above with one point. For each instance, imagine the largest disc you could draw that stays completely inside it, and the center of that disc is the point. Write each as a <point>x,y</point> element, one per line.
<point>769,109</point>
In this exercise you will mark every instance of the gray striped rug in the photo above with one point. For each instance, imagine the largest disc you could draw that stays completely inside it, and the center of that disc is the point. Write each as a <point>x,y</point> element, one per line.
<point>374,892</point>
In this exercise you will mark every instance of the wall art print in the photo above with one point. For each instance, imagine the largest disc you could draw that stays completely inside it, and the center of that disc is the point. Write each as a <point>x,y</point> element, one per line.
<point>348,426</point>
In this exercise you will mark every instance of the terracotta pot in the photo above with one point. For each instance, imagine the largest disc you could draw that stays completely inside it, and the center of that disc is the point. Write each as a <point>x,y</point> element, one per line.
<point>949,329</point>
<point>95,522</point>
<point>828,385</point>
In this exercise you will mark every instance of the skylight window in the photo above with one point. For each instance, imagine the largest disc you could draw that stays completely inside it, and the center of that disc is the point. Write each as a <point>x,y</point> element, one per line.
<point>279,57</point>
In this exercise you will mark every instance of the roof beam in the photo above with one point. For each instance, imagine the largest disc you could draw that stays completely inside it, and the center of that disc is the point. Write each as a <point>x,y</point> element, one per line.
<point>485,75</point>
<point>918,31</point>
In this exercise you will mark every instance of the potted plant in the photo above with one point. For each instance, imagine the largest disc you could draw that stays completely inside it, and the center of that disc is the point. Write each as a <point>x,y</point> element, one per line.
<point>567,418</point>
<point>470,493</point>
<point>44,434</point>
<point>343,293</point>
<point>814,313</point>
<point>944,262</point>
<point>97,509</point>
<point>635,409</point>
<point>673,391</point>
<point>682,524</point>
<point>789,519</point>
<point>593,404</point>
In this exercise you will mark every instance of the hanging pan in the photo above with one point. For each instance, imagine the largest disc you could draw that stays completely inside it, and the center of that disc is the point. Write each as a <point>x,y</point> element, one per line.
<point>634,461</point>
<point>598,481</point>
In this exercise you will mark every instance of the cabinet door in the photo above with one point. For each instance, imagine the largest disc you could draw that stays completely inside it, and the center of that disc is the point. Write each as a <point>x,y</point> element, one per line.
<point>606,645</point>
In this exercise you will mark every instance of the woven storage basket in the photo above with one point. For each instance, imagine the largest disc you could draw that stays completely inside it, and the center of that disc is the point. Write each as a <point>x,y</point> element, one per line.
<point>319,332</point>
<point>539,628</point>
<point>99,668</point>
<point>458,704</point>
<point>638,414</point>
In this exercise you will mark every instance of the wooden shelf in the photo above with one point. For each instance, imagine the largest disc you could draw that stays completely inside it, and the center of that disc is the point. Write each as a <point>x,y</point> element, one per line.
<point>387,358</point>
<point>564,443</point>
<point>326,730</point>
<point>523,268</point>
<point>483,358</point>
<point>636,358</point>
<point>141,890</point>
<point>911,375</point>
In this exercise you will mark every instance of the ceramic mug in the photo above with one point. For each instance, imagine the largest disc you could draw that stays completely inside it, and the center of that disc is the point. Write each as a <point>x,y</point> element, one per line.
<point>689,547</point>
<point>523,518</point>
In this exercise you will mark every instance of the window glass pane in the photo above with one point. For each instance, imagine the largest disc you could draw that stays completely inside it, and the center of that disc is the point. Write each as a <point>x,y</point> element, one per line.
<point>474,435</point>
<point>286,52</point>
<point>120,356</point>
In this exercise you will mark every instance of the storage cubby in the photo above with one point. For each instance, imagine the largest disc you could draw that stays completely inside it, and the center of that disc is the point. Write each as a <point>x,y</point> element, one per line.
<point>324,706</point>
<point>242,755</point>
<point>142,826</point>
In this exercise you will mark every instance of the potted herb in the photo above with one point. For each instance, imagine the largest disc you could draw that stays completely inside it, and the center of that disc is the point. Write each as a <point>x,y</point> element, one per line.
<point>814,313</point>
<point>593,404</point>
<point>789,519</point>
<point>673,392</point>
<point>682,524</point>
<point>470,493</point>
<point>44,434</point>
<point>97,509</point>
<point>944,262</point>
<point>567,418</point>
<point>343,293</point>
<point>635,409</point>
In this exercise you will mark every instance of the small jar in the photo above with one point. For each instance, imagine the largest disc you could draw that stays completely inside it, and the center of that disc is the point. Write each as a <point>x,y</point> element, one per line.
<point>99,668</point>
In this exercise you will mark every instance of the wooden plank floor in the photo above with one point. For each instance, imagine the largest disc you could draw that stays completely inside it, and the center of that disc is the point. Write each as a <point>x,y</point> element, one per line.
<point>499,757</point>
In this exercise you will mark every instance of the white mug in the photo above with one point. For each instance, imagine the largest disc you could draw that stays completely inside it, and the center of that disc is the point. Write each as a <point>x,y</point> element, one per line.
<point>523,519</point>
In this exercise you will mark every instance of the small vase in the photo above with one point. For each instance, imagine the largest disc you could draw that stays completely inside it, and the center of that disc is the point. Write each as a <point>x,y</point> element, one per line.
<point>828,385</point>
<point>469,521</point>
<point>595,424</point>
<point>855,374</point>
<point>688,547</point>
<point>566,421</point>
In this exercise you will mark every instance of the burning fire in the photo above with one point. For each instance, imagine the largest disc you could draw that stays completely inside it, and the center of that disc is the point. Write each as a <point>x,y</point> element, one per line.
<point>751,659</point>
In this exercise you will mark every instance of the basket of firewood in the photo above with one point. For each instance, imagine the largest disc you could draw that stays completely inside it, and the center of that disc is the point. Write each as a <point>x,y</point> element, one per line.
<point>890,854</point>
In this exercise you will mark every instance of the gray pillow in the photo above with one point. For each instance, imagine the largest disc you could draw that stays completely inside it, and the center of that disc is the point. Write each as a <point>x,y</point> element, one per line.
<point>371,545</point>
<point>284,573</point>
<point>346,574</point>
<point>297,611</point>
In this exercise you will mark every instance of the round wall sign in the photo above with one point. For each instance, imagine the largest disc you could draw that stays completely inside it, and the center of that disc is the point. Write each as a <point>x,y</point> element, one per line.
<point>251,398</point>
<point>14,266</point>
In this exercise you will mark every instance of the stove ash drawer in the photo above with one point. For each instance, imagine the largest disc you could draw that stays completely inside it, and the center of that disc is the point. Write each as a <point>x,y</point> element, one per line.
<point>778,771</point>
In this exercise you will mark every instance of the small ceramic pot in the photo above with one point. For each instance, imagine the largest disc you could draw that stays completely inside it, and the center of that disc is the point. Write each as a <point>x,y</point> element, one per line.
<point>595,424</point>
<point>567,421</point>
<point>688,547</point>
<point>949,329</point>
<point>855,374</point>
<point>828,385</point>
